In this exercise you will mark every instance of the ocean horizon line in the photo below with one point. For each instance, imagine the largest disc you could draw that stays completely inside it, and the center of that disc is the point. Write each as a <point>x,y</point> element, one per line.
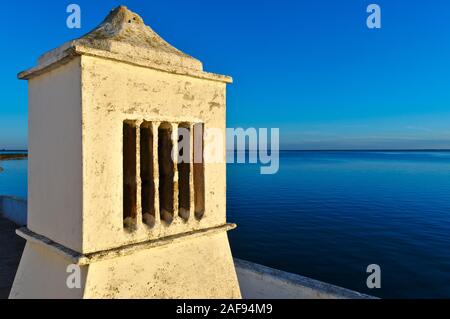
<point>354,150</point>
<point>316,150</point>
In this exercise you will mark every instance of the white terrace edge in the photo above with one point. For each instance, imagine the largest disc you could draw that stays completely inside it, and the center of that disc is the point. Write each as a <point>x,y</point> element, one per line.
<point>261,282</point>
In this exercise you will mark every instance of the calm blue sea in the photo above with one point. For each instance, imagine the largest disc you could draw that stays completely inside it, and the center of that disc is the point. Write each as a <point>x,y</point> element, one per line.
<point>328,215</point>
<point>13,177</point>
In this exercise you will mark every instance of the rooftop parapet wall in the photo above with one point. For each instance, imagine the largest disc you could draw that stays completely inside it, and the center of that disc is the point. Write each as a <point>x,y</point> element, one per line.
<point>261,282</point>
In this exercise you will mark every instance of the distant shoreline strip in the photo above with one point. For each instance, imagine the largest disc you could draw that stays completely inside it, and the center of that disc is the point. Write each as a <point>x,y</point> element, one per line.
<point>13,156</point>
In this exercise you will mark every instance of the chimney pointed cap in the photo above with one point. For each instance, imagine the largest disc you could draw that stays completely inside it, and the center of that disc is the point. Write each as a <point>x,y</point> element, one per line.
<point>123,36</point>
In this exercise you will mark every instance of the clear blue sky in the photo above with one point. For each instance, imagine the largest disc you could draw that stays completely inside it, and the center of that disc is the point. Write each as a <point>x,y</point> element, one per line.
<point>311,68</point>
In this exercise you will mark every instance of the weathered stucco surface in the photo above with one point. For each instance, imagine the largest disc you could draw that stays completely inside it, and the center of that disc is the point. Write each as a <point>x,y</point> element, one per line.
<point>42,274</point>
<point>114,92</point>
<point>55,162</point>
<point>80,96</point>
<point>193,268</point>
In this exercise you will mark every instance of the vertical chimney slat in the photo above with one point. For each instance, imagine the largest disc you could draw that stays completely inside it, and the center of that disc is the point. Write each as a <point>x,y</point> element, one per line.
<point>191,171</point>
<point>166,172</point>
<point>138,175</point>
<point>174,156</point>
<point>154,127</point>
<point>129,175</point>
<point>147,174</point>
